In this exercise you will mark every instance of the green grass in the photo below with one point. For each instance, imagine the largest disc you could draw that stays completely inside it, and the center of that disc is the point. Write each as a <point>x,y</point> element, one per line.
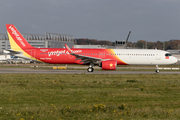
<point>73,96</point>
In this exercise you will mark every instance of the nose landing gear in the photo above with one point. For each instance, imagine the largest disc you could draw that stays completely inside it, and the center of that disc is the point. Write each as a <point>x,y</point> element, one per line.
<point>157,69</point>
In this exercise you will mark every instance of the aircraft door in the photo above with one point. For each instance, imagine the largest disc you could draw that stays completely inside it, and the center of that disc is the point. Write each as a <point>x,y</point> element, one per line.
<point>32,53</point>
<point>158,55</point>
<point>71,56</point>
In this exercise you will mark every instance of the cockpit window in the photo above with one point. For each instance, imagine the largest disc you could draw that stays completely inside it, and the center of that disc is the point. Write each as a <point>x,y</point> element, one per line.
<point>168,54</point>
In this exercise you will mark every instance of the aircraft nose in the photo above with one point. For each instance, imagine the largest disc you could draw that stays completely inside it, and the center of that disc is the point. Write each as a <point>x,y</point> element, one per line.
<point>174,60</point>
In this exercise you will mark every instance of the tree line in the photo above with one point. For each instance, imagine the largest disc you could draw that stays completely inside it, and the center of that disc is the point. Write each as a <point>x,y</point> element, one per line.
<point>86,41</point>
<point>141,44</point>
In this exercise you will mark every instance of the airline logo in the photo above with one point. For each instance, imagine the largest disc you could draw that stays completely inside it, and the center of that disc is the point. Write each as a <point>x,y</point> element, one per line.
<point>14,32</point>
<point>57,53</point>
<point>111,66</point>
<point>167,57</point>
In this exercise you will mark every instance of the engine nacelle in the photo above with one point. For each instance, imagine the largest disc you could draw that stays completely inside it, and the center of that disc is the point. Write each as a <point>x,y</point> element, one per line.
<point>109,65</point>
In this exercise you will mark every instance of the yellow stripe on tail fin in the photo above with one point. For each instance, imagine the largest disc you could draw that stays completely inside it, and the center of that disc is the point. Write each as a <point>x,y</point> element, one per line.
<point>17,41</point>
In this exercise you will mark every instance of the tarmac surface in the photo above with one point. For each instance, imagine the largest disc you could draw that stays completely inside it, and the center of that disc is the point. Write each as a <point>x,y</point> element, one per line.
<point>66,71</point>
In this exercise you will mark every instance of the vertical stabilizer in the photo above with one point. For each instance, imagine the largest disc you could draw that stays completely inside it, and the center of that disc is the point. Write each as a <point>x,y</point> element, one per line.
<point>17,41</point>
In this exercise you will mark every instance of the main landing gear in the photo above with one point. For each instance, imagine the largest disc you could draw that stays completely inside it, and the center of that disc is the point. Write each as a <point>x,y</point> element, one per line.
<point>91,69</point>
<point>157,70</point>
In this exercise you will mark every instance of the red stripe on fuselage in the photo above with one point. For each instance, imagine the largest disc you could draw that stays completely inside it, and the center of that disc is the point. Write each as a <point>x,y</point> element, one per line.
<point>62,56</point>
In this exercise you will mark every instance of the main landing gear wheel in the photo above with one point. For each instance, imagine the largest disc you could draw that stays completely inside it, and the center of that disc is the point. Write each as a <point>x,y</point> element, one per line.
<point>90,69</point>
<point>157,71</point>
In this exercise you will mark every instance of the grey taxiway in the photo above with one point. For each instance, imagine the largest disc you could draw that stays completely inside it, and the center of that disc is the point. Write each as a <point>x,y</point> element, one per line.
<point>66,71</point>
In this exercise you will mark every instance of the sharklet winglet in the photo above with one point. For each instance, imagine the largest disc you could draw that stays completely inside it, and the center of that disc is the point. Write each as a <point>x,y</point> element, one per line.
<point>69,50</point>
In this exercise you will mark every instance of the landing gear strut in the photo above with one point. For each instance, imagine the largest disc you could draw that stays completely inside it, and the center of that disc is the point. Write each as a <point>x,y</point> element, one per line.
<point>91,69</point>
<point>157,69</point>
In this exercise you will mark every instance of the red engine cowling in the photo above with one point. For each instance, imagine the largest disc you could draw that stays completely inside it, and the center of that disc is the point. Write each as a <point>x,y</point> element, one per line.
<point>109,65</point>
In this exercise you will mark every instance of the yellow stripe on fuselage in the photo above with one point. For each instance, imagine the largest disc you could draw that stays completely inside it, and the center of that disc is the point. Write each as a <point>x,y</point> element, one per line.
<point>116,56</point>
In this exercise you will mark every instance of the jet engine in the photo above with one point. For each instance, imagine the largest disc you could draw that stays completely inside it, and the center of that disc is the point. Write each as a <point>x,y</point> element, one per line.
<point>109,65</point>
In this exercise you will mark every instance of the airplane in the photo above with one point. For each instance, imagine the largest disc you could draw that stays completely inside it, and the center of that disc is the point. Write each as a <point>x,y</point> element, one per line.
<point>107,59</point>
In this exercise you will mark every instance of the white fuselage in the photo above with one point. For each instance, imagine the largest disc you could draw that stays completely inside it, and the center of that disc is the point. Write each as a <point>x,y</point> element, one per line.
<point>145,57</point>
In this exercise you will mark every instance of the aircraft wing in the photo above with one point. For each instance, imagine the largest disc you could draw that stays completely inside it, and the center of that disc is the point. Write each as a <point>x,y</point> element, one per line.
<point>84,59</point>
<point>87,59</point>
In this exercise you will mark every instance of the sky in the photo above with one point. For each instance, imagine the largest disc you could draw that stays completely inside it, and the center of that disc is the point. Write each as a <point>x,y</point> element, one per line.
<point>150,20</point>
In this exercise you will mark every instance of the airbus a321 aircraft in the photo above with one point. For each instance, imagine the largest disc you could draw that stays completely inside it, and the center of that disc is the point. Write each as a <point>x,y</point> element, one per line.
<point>107,59</point>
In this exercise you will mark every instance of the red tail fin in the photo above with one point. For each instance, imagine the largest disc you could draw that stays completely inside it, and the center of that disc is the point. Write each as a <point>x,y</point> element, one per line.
<point>17,41</point>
